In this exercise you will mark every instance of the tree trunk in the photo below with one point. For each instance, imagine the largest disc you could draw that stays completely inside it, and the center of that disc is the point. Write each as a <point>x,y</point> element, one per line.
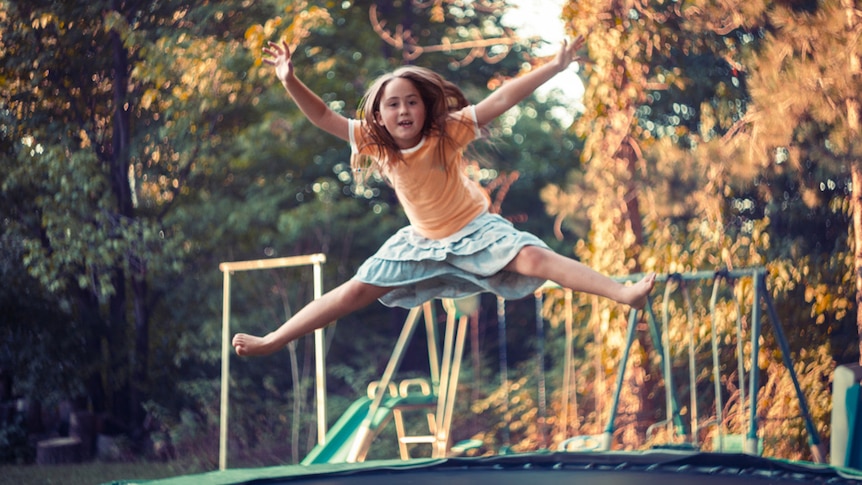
<point>87,308</point>
<point>646,408</point>
<point>856,208</point>
<point>119,171</point>
<point>630,156</point>
<point>141,354</point>
<point>117,345</point>
<point>121,137</point>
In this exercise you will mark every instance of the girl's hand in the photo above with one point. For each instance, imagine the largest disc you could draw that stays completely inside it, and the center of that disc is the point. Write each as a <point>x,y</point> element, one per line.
<point>569,52</point>
<point>279,57</point>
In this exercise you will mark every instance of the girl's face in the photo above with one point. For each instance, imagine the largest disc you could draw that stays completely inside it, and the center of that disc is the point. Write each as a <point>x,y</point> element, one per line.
<point>402,112</point>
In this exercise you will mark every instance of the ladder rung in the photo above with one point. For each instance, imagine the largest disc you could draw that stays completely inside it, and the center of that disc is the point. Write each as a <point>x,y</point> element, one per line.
<point>417,439</point>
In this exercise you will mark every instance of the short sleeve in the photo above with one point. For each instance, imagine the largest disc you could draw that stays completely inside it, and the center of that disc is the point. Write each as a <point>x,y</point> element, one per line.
<point>463,126</point>
<point>354,130</point>
<point>471,112</point>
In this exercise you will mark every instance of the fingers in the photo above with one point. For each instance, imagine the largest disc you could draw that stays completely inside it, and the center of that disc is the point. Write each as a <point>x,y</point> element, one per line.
<point>575,45</point>
<point>566,55</point>
<point>570,49</point>
<point>276,47</point>
<point>274,51</point>
<point>578,42</point>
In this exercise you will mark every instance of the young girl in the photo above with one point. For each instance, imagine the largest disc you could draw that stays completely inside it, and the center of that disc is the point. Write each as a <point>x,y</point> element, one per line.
<point>414,127</point>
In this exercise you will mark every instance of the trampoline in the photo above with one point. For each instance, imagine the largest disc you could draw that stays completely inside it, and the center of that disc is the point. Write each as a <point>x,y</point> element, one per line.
<point>339,457</point>
<point>658,467</point>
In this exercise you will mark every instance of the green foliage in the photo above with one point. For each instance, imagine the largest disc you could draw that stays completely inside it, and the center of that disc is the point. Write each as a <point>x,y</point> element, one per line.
<point>50,367</point>
<point>105,125</point>
<point>14,445</point>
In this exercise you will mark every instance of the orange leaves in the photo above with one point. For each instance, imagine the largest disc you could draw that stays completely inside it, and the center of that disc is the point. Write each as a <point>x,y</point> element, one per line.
<point>257,35</point>
<point>43,20</point>
<point>299,26</point>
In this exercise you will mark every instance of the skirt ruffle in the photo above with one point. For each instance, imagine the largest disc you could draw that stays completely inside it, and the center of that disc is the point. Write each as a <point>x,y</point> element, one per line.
<point>468,262</point>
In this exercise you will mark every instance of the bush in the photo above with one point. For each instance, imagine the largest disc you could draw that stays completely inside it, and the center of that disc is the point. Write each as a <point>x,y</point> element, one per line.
<point>14,445</point>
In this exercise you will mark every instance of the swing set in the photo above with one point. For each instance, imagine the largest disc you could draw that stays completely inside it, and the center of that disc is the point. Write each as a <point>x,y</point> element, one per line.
<point>660,335</point>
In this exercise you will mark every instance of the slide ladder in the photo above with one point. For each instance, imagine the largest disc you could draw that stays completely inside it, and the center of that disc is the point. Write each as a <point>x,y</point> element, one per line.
<point>341,437</point>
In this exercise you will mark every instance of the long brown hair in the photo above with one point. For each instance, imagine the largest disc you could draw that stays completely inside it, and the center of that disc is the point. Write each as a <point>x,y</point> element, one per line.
<point>441,97</point>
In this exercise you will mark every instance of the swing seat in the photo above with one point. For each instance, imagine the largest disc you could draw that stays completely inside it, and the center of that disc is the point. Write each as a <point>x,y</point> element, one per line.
<point>461,448</point>
<point>733,443</point>
<point>583,443</point>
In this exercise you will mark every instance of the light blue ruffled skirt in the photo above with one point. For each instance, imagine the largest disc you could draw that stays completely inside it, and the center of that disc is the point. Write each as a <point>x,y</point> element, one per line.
<point>465,263</point>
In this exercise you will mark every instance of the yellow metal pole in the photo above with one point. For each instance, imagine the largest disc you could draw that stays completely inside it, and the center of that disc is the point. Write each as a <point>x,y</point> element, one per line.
<point>569,363</point>
<point>443,433</point>
<point>445,382</point>
<point>225,372</point>
<point>320,364</point>
<point>433,345</point>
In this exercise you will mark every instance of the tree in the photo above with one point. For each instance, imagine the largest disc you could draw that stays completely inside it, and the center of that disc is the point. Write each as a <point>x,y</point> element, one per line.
<point>804,119</point>
<point>105,122</point>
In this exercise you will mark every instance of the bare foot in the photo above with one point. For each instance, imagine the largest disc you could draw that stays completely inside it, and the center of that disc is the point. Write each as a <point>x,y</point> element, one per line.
<point>247,345</point>
<point>636,294</point>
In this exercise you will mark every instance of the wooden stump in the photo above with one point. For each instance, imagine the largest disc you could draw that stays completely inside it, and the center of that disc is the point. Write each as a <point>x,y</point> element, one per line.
<point>58,450</point>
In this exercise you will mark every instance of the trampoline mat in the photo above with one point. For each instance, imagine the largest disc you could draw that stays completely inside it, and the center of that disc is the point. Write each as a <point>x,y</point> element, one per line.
<point>609,468</point>
<point>533,477</point>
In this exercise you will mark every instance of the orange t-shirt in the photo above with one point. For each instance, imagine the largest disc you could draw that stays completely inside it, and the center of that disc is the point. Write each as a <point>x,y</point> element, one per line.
<point>437,202</point>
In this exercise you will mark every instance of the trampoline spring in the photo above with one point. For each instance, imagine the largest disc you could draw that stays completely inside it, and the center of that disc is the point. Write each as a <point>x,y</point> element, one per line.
<point>763,473</point>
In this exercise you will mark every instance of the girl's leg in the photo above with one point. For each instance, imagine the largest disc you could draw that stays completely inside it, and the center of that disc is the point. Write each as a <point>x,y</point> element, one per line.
<point>347,298</point>
<point>569,273</point>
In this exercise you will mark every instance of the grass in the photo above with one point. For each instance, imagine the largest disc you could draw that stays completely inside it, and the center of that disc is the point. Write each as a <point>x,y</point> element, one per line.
<point>91,473</point>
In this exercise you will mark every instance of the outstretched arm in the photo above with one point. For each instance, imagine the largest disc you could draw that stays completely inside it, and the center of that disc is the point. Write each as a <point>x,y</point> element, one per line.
<point>309,103</point>
<point>515,90</point>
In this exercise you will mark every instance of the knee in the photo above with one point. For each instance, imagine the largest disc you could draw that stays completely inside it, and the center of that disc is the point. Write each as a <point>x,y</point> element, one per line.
<point>530,260</point>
